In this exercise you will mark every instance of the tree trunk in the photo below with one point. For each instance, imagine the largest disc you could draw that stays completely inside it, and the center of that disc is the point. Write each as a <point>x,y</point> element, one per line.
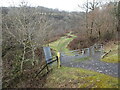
<point>118,28</point>
<point>23,57</point>
<point>99,33</point>
<point>87,19</point>
<point>33,55</point>
<point>91,27</point>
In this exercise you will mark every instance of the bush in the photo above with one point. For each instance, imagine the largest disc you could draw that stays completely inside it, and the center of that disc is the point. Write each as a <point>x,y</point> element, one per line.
<point>12,65</point>
<point>108,36</point>
<point>82,42</point>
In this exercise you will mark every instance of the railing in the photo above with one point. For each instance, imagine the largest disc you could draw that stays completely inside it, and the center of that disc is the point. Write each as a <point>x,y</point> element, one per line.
<point>87,51</point>
<point>50,61</point>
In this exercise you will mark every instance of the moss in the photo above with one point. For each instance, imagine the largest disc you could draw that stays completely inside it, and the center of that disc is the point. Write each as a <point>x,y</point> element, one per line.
<point>67,77</point>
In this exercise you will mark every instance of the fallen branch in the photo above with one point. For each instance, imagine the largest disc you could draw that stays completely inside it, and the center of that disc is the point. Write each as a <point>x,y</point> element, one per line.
<point>105,54</point>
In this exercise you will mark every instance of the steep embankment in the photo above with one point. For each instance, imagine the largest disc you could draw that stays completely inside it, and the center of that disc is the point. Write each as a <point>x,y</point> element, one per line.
<point>112,56</point>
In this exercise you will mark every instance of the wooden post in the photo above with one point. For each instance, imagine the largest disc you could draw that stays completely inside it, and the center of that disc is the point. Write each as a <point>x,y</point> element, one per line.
<point>47,68</point>
<point>59,63</point>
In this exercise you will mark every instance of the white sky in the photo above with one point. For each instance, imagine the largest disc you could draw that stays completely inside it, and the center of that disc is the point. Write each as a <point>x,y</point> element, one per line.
<point>67,5</point>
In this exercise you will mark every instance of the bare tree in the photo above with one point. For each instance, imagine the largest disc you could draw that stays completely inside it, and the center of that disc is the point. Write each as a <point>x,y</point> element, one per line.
<point>28,27</point>
<point>90,15</point>
<point>118,28</point>
<point>0,48</point>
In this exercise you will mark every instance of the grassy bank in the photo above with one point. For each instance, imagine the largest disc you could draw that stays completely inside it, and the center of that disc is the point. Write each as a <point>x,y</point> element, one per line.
<point>112,57</point>
<point>66,77</point>
<point>62,43</point>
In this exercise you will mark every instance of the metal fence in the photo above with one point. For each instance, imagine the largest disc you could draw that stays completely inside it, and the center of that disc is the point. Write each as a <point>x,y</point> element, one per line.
<point>71,56</point>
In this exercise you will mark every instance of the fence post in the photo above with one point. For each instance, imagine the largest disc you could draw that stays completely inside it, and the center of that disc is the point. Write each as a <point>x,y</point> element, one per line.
<point>88,51</point>
<point>101,49</point>
<point>93,50</point>
<point>82,51</point>
<point>59,63</point>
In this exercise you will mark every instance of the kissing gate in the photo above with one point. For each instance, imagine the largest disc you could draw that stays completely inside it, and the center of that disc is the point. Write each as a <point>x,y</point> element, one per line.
<point>71,57</point>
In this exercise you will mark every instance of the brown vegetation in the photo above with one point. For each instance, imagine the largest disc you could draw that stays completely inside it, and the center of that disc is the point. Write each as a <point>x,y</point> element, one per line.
<point>26,30</point>
<point>81,42</point>
<point>98,25</point>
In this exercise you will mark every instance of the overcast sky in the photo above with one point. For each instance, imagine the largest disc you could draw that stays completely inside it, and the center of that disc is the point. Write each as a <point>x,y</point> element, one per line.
<point>67,5</point>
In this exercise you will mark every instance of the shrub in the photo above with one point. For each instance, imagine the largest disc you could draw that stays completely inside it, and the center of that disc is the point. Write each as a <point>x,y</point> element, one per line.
<point>82,42</point>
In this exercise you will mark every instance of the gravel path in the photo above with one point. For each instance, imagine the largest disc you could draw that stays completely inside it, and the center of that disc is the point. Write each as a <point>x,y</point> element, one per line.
<point>92,64</point>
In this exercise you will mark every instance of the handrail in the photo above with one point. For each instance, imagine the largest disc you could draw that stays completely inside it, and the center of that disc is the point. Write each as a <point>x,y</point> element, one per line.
<point>46,65</point>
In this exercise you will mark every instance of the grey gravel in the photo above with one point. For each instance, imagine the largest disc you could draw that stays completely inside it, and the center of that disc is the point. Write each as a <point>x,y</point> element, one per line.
<point>94,64</point>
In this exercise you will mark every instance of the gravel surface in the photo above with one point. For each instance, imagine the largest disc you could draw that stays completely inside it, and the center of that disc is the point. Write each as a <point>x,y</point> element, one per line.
<point>93,63</point>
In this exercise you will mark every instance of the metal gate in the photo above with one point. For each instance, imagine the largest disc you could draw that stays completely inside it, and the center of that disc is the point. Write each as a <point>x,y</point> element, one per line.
<point>71,57</point>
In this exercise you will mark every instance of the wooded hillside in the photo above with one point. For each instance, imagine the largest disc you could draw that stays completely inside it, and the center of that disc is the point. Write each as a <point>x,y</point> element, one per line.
<point>25,30</point>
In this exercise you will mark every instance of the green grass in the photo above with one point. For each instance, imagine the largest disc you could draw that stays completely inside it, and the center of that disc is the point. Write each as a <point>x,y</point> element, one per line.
<point>61,44</point>
<point>112,57</point>
<point>66,77</point>
<point>69,34</point>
